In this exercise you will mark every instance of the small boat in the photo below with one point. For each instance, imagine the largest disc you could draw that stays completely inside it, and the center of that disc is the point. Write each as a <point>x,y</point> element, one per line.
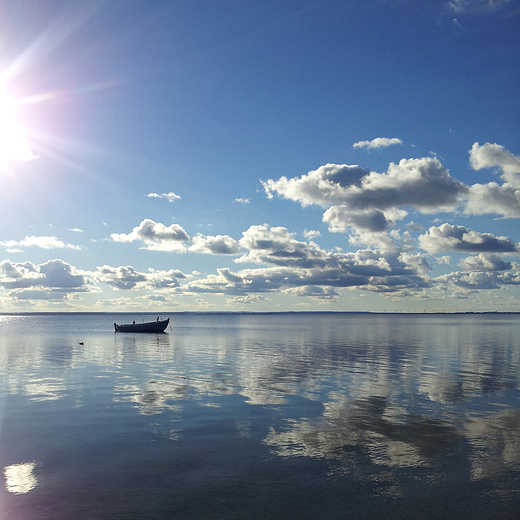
<point>151,326</point>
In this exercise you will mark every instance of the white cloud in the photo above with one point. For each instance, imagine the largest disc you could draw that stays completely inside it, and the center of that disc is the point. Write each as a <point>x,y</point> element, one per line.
<point>156,236</point>
<point>465,6</point>
<point>485,262</point>
<point>170,196</point>
<point>325,186</point>
<point>243,201</point>
<point>54,276</point>
<point>361,200</point>
<point>494,155</point>
<point>378,142</point>
<point>369,201</point>
<point>478,280</point>
<point>245,299</point>
<point>459,238</point>
<point>443,260</point>
<point>339,218</point>
<point>126,278</point>
<point>310,234</point>
<point>44,242</point>
<point>314,292</point>
<point>214,245</point>
<point>492,198</point>
<point>277,246</point>
<point>302,268</point>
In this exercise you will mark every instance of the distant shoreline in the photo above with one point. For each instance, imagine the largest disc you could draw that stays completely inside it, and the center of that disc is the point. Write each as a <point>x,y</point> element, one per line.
<point>250,313</point>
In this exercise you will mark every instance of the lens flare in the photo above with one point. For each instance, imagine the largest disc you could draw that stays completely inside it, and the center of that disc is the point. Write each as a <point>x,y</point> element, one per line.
<point>14,147</point>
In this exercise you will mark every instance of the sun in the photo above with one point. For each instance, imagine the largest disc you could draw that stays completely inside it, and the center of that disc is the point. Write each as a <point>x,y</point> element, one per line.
<point>14,147</point>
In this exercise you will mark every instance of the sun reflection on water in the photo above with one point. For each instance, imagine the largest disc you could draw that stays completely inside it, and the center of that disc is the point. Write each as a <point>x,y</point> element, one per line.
<point>20,478</point>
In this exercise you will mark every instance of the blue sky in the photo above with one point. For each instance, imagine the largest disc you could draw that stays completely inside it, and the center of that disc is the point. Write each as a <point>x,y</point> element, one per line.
<point>260,156</point>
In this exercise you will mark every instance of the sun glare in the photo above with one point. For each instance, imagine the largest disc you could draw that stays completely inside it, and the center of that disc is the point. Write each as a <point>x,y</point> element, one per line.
<point>14,147</point>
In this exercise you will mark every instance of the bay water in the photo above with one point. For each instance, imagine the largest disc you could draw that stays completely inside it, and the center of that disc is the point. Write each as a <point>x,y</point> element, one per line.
<point>261,416</point>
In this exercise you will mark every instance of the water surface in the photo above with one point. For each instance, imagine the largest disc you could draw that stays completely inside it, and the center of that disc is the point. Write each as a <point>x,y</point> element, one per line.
<point>261,417</point>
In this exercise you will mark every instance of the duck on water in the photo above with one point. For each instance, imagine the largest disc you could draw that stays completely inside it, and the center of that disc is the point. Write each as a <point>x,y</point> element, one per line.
<point>151,326</point>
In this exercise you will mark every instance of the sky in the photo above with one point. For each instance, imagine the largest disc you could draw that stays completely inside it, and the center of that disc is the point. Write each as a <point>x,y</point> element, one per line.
<point>192,155</point>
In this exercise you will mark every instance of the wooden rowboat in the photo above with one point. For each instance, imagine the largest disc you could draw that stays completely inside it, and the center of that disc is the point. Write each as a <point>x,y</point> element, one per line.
<point>151,326</point>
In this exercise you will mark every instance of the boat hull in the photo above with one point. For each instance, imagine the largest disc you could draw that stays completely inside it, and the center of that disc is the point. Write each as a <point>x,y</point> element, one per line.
<point>152,326</point>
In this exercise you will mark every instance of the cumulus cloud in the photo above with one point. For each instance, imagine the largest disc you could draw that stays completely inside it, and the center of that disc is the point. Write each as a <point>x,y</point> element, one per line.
<point>123,277</point>
<point>471,281</point>
<point>420,183</point>
<point>127,278</point>
<point>51,280</point>
<point>360,199</point>
<point>378,142</point>
<point>311,233</point>
<point>44,242</point>
<point>314,292</point>
<point>214,245</point>
<point>325,186</point>
<point>275,245</point>
<point>243,200</point>
<point>169,196</point>
<point>302,268</point>
<point>485,262</point>
<point>459,238</point>
<point>156,236</point>
<point>494,155</point>
<point>339,218</point>
<point>370,201</point>
<point>493,198</point>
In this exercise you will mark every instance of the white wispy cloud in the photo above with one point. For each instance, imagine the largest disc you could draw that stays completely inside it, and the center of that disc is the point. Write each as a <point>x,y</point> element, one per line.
<point>43,242</point>
<point>378,142</point>
<point>171,196</point>
<point>465,6</point>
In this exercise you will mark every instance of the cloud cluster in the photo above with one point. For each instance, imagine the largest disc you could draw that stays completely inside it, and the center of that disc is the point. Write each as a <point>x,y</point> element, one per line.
<point>367,205</point>
<point>51,280</point>
<point>127,278</point>
<point>367,201</point>
<point>304,269</point>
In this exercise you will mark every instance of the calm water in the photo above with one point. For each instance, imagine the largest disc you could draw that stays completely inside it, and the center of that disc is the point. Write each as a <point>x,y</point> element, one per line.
<point>261,417</point>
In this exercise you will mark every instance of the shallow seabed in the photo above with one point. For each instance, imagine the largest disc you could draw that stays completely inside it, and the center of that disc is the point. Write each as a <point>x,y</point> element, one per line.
<point>329,416</point>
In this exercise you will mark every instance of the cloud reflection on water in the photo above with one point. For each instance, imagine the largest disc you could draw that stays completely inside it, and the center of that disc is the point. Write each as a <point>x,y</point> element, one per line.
<point>391,394</point>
